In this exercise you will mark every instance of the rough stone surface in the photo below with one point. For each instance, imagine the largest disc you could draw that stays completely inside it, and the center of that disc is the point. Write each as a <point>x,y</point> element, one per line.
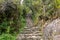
<point>51,30</point>
<point>57,37</point>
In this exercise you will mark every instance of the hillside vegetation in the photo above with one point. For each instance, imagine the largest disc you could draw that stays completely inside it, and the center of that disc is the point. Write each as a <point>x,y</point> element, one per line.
<point>13,15</point>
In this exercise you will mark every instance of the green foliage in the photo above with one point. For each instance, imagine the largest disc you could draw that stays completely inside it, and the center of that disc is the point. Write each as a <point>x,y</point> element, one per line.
<point>12,20</point>
<point>34,8</point>
<point>42,8</point>
<point>57,3</point>
<point>7,37</point>
<point>21,17</point>
<point>13,15</point>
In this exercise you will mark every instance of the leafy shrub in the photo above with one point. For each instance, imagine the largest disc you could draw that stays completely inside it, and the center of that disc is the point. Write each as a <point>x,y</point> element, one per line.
<point>7,37</point>
<point>11,18</point>
<point>8,16</point>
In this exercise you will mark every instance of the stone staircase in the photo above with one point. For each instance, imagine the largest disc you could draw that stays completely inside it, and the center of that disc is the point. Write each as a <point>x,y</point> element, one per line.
<point>30,32</point>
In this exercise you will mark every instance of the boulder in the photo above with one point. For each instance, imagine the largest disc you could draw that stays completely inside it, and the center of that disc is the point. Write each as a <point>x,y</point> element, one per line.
<point>51,29</point>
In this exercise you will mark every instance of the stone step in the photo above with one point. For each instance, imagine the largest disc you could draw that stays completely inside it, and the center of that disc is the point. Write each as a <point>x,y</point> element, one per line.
<point>29,34</point>
<point>30,31</point>
<point>36,32</point>
<point>29,37</point>
<point>26,32</point>
<point>31,28</point>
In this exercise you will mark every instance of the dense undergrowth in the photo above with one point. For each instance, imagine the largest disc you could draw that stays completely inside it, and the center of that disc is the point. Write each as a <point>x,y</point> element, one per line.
<point>13,15</point>
<point>12,20</point>
<point>43,10</point>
